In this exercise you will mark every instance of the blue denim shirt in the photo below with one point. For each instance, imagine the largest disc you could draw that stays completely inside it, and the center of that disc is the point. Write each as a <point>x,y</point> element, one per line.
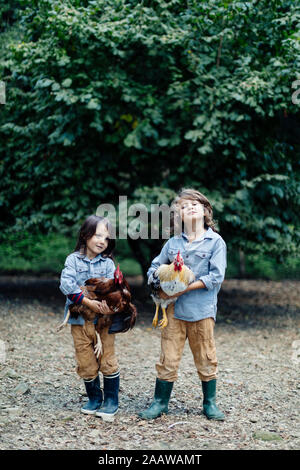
<point>206,257</point>
<point>78,268</point>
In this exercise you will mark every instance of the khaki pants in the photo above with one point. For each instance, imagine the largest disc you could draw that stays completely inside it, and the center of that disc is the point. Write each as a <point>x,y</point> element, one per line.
<point>201,340</point>
<point>88,365</point>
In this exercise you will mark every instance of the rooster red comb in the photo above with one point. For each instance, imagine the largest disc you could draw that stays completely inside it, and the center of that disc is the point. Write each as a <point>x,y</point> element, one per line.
<point>118,275</point>
<point>178,262</point>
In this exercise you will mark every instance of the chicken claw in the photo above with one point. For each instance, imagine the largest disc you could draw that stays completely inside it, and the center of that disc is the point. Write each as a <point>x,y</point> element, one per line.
<point>164,321</point>
<point>155,318</point>
<point>64,323</point>
<point>98,346</point>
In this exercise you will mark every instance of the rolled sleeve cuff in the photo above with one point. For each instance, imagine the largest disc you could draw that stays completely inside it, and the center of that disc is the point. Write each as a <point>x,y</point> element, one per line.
<point>207,282</point>
<point>76,298</point>
<point>150,275</point>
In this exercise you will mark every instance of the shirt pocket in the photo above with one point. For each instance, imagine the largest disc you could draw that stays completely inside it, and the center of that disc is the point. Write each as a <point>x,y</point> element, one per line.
<point>83,274</point>
<point>172,253</point>
<point>100,272</point>
<point>201,262</point>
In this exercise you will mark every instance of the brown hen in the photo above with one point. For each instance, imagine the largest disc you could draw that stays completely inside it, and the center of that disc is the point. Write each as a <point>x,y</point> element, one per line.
<point>116,293</point>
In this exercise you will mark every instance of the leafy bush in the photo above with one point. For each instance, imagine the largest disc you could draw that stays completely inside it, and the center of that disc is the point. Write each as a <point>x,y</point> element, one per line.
<point>45,254</point>
<point>38,254</point>
<point>107,97</point>
<point>9,13</point>
<point>35,253</point>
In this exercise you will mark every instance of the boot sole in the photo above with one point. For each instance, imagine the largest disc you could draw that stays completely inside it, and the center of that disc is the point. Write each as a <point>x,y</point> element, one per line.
<point>106,416</point>
<point>215,419</point>
<point>88,412</point>
<point>140,415</point>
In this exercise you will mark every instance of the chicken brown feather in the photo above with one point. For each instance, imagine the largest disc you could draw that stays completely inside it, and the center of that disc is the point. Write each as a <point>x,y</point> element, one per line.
<point>116,293</point>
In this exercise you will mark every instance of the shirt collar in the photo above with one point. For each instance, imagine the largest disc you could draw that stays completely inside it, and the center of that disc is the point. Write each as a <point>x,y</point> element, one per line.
<point>86,258</point>
<point>208,234</point>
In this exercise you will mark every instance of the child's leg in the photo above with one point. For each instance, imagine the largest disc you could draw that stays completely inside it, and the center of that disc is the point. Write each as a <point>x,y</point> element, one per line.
<point>84,340</point>
<point>108,360</point>
<point>87,365</point>
<point>111,377</point>
<point>173,338</point>
<point>202,344</point>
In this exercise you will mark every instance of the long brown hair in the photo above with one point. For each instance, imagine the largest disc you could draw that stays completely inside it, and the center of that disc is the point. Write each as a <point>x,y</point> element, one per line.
<point>88,230</point>
<point>190,193</point>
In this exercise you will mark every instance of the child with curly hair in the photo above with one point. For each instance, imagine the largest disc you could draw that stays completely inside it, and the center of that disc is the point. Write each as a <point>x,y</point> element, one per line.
<point>193,315</point>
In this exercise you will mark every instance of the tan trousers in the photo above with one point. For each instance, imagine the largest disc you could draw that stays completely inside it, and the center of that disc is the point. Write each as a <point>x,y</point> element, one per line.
<point>201,340</point>
<point>88,365</point>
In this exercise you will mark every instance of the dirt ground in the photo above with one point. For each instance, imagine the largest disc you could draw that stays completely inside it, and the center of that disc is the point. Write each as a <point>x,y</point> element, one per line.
<point>258,346</point>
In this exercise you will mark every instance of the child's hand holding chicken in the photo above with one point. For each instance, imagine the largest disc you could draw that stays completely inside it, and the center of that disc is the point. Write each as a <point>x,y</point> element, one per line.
<point>192,286</point>
<point>97,306</point>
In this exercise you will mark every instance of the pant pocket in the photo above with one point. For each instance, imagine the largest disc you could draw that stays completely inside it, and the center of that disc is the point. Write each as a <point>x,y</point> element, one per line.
<point>211,350</point>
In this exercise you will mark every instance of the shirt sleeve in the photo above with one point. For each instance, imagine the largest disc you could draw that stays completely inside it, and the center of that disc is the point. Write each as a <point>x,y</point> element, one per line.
<point>68,281</point>
<point>162,258</point>
<point>76,298</point>
<point>110,269</point>
<point>218,264</point>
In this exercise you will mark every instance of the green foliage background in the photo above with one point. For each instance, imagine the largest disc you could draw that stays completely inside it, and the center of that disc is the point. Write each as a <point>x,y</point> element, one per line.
<point>140,98</point>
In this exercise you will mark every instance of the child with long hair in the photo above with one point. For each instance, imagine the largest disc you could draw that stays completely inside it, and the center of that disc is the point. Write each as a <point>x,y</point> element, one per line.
<point>193,314</point>
<point>92,258</point>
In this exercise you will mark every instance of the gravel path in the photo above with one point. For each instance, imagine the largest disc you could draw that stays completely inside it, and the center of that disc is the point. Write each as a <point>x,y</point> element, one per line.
<point>258,346</point>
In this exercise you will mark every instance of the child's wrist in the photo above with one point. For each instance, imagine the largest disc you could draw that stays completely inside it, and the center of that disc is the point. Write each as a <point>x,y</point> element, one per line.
<point>198,284</point>
<point>86,301</point>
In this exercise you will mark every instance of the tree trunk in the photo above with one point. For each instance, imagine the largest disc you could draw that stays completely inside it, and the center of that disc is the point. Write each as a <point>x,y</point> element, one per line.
<point>242,264</point>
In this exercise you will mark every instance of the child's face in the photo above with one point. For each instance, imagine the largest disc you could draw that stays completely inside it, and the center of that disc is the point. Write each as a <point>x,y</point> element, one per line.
<point>98,242</point>
<point>190,209</point>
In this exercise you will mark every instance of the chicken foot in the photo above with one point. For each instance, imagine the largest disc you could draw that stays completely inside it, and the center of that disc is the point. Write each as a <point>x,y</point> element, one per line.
<point>163,322</point>
<point>155,318</point>
<point>98,345</point>
<point>64,323</point>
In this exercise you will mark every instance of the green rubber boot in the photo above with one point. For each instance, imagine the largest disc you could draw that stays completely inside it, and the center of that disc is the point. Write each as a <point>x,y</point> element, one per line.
<point>160,402</point>
<point>210,408</point>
